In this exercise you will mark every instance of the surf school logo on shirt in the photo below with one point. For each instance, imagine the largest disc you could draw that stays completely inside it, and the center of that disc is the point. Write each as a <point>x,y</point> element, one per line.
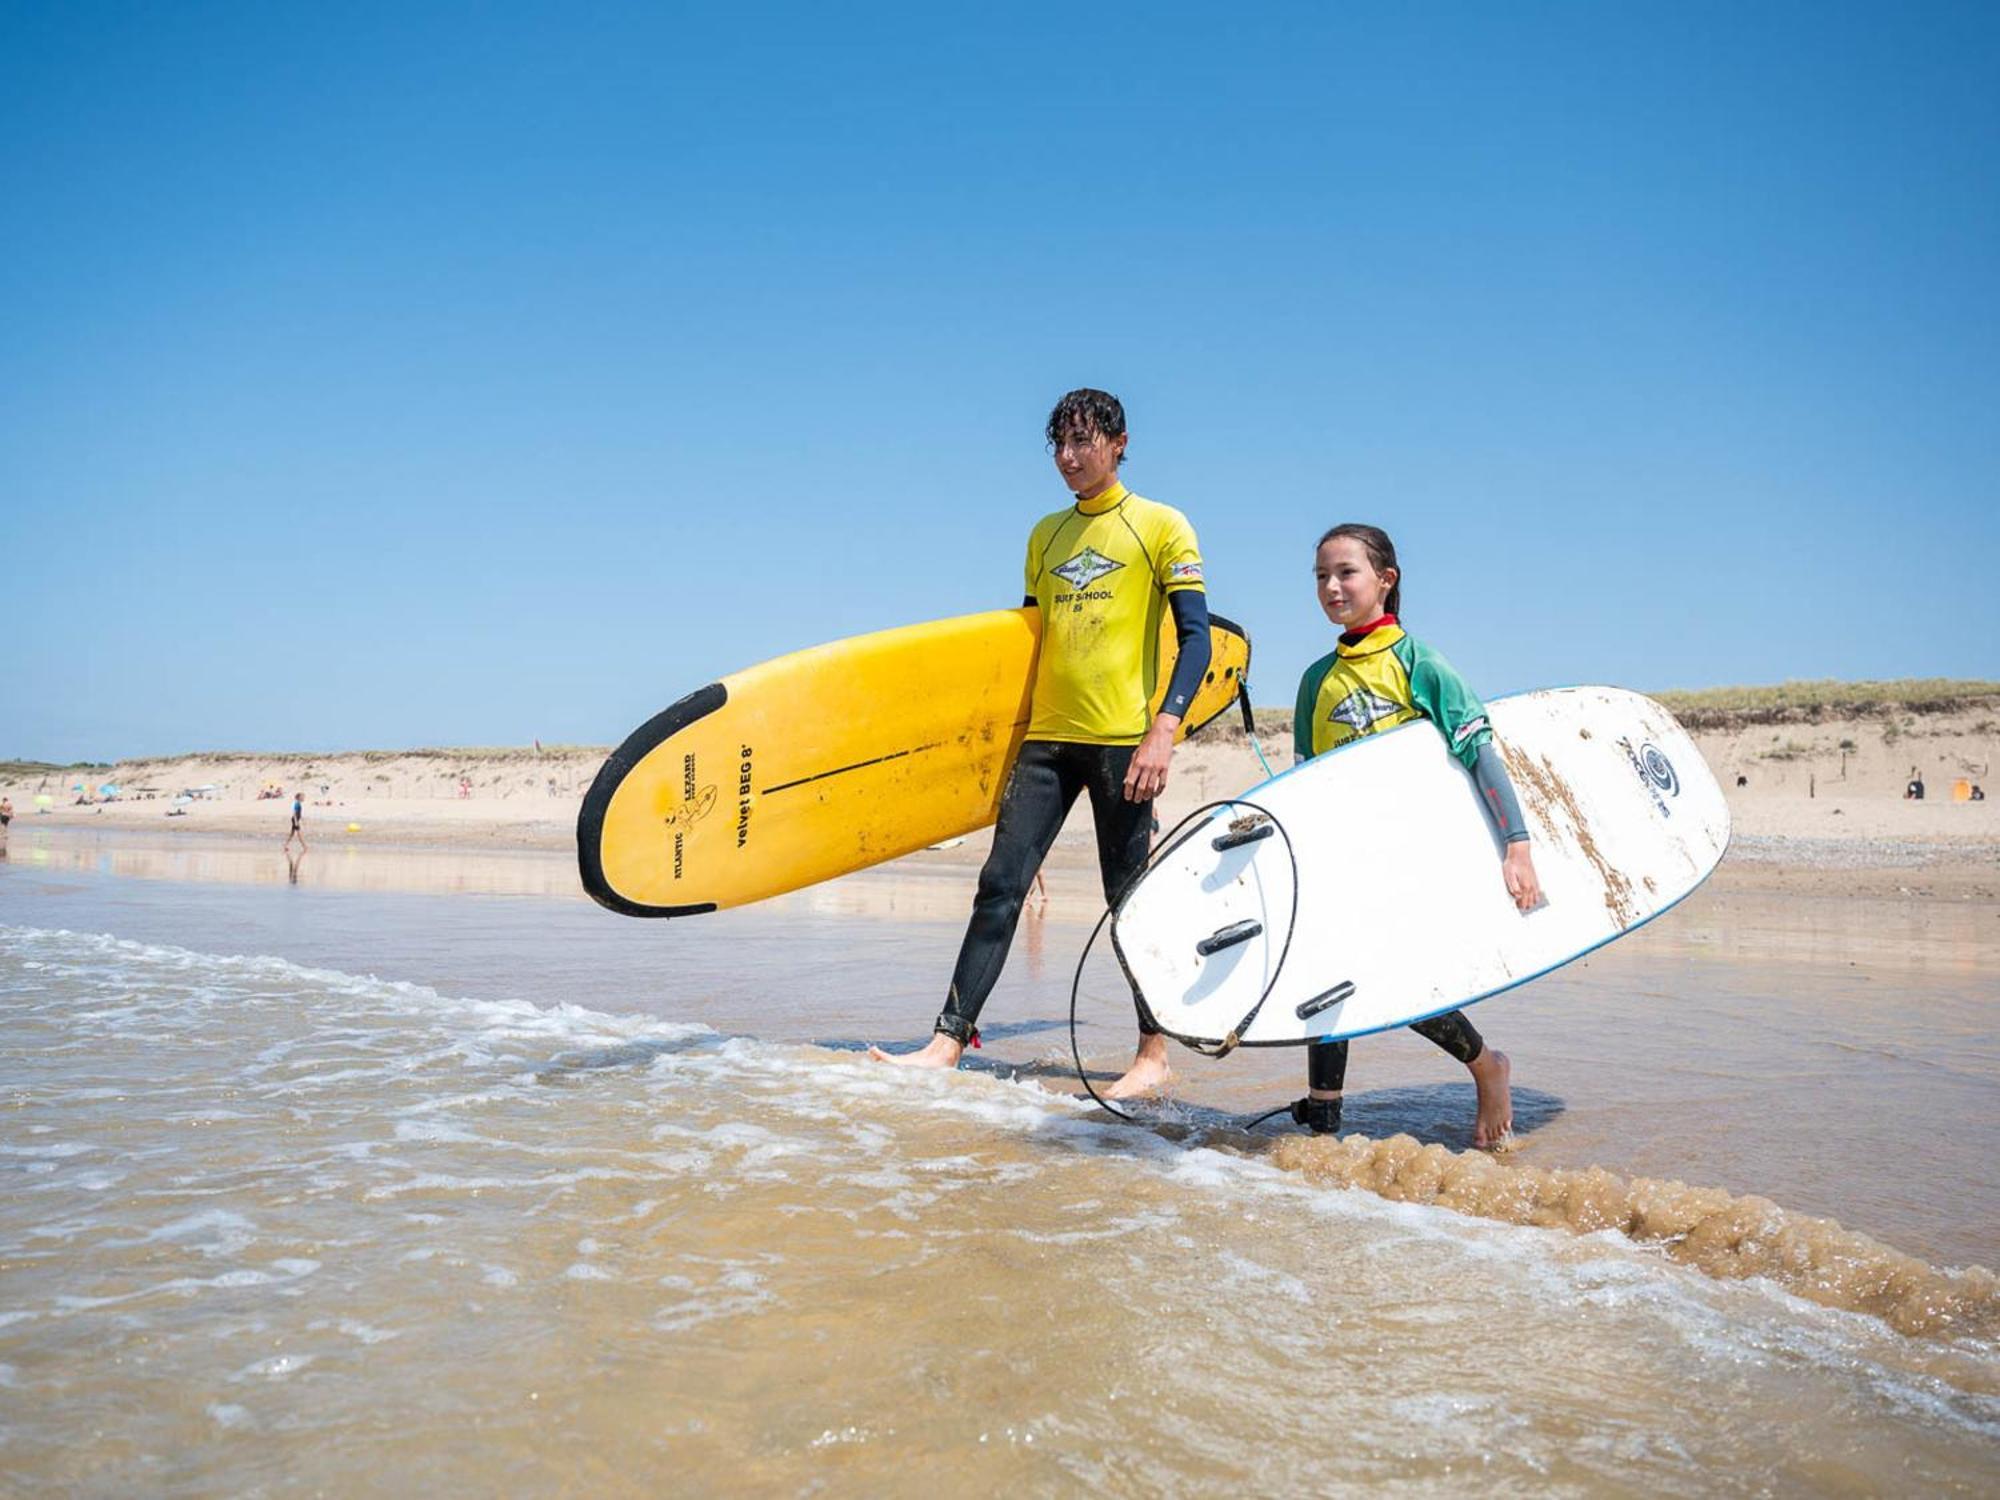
<point>1362,710</point>
<point>1089,565</point>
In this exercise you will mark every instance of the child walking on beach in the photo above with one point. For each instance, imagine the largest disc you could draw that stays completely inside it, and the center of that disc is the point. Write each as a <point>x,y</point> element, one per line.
<point>1377,678</point>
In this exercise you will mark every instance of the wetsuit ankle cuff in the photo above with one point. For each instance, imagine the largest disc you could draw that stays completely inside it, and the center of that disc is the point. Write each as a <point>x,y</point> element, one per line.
<point>957,1028</point>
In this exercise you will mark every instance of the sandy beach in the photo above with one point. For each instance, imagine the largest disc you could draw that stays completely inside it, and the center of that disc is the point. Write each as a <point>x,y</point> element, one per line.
<point>1820,807</point>
<point>401,1158</point>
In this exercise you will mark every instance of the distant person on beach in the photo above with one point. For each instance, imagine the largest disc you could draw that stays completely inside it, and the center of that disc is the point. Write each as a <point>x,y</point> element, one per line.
<point>298,830</point>
<point>6,814</point>
<point>1914,792</point>
<point>1101,571</point>
<point>1377,678</point>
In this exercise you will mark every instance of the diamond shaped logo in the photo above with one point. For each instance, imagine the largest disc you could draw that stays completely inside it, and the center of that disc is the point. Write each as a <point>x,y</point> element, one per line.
<point>1361,710</point>
<point>1089,565</point>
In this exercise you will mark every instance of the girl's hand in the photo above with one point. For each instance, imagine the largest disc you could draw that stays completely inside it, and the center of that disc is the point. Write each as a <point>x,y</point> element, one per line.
<point>1518,870</point>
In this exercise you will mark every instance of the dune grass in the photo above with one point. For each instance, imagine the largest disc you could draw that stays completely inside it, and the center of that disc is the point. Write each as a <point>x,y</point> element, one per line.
<point>1827,699</point>
<point>1728,707</point>
<point>25,770</point>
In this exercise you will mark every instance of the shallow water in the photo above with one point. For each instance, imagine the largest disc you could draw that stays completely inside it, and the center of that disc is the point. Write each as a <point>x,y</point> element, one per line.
<point>359,1191</point>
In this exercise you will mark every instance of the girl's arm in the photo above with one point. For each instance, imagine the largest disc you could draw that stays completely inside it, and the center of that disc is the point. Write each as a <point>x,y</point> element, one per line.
<point>1496,794</point>
<point>1302,708</point>
<point>1503,810</point>
<point>1461,718</point>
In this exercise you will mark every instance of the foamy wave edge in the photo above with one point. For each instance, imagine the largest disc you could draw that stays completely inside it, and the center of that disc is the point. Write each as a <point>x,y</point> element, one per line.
<point>22,941</point>
<point>1720,1234</point>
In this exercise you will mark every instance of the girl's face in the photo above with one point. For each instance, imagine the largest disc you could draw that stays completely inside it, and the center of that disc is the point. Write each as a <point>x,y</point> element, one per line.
<point>1350,590</point>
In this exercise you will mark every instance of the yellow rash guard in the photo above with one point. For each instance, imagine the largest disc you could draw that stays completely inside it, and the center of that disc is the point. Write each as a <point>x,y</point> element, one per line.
<point>1101,571</point>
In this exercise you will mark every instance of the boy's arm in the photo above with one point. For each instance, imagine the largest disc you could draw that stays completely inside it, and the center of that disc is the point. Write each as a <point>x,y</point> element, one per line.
<point>1190,607</point>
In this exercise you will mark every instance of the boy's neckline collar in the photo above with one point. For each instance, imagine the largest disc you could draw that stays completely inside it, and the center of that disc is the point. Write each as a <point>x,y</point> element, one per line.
<point>1110,499</point>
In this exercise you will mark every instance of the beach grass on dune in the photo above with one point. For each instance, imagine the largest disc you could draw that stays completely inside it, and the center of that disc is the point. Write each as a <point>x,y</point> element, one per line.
<point>1724,706</point>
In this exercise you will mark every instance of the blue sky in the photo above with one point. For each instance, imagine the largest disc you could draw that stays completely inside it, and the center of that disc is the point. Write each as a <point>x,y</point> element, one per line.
<point>389,375</point>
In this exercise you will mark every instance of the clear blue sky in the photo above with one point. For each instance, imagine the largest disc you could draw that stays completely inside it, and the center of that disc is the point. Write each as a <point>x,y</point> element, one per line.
<point>375,375</point>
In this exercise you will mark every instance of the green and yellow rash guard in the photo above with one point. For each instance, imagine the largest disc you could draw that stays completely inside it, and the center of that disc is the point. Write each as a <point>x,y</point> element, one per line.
<point>1376,680</point>
<point>1380,677</point>
<point>1101,571</point>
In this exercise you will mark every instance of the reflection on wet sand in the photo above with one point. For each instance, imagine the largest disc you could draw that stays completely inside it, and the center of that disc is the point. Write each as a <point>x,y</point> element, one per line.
<point>354,868</point>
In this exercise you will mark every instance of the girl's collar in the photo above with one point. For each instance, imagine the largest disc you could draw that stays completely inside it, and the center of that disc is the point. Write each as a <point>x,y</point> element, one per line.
<point>1361,633</point>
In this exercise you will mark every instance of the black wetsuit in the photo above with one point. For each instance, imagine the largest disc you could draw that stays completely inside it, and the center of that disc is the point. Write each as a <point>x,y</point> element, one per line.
<point>1047,778</point>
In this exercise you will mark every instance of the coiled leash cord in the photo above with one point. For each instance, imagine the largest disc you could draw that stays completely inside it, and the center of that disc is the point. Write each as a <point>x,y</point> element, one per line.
<point>1172,841</point>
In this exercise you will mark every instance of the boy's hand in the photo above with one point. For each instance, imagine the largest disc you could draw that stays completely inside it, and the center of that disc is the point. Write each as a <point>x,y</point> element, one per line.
<point>1518,870</point>
<point>1146,775</point>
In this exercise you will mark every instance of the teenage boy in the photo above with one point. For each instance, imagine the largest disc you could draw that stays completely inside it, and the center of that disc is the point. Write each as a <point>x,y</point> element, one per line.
<point>1101,571</point>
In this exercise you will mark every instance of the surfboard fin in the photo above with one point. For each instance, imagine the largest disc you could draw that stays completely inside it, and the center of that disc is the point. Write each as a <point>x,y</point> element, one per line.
<point>1244,830</point>
<point>1325,1000</point>
<point>1228,937</point>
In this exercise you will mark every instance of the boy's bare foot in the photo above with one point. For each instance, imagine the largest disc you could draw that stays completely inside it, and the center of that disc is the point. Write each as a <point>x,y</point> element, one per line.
<point>943,1052</point>
<point>1149,1070</point>
<point>1490,1074</point>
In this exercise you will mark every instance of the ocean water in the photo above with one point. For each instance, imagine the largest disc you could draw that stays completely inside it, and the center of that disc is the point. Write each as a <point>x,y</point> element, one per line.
<point>338,1187</point>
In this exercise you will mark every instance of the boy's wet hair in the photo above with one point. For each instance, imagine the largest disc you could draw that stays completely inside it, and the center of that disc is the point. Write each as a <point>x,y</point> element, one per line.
<point>1085,412</point>
<point>1381,556</point>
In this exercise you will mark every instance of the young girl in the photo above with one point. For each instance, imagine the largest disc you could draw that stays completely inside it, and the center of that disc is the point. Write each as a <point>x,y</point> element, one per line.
<point>1376,678</point>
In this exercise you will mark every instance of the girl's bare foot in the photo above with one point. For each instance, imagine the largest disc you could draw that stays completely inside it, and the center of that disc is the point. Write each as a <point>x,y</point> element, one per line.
<point>1148,1073</point>
<point>1490,1074</point>
<point>943,1052</point>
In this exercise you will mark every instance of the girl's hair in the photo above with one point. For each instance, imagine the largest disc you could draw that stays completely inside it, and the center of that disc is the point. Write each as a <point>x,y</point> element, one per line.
<point>1381,556</point>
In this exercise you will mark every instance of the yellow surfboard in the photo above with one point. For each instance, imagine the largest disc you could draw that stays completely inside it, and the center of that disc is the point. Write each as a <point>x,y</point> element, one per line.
<point>831,759</point>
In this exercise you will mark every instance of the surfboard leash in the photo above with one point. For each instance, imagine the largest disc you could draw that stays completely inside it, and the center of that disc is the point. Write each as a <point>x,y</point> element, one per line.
<point>1250,724</point>
<point>1165,846</point>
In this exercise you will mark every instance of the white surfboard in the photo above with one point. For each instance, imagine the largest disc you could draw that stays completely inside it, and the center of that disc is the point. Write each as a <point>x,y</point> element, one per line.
<point>1361,890</point>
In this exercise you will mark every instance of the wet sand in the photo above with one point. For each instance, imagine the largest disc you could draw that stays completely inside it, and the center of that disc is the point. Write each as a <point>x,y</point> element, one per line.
<point>634,1171</point>
<point>1803,1047</point>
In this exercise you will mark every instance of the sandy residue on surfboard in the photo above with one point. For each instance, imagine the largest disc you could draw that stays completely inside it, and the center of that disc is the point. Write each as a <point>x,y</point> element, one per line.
<point>1545,792</point>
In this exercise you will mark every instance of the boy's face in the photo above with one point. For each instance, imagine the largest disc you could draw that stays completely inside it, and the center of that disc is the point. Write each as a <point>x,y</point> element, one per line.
<point>1088,460</point>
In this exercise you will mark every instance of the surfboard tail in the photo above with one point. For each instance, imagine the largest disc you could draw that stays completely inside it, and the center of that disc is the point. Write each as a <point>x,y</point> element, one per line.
<point>640,743</point>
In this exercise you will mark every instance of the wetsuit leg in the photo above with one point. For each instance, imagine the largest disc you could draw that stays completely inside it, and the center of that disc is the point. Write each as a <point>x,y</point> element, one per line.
<point>1039,793</point>
<point>1124,829</point>
<point>1326,1066</point>
<point>1454,1033</point>
<point>1326,1069</point>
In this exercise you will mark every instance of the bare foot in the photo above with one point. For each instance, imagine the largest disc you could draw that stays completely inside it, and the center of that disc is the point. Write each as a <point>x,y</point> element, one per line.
<point>1149,1071</point>
<point>1490,1074</point>
<point>943,1052</point>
